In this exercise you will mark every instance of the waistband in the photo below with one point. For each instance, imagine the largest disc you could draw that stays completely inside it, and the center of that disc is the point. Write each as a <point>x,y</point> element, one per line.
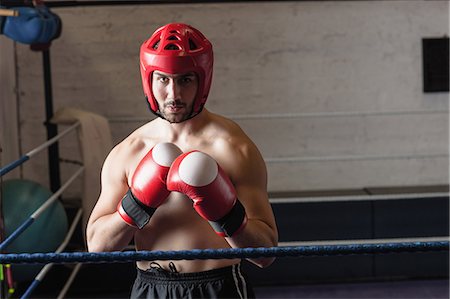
<point>159,274</point>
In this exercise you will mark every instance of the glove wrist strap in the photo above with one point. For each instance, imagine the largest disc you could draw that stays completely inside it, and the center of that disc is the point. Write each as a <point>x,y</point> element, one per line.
<point>135,211</point>
<point>231,223</point>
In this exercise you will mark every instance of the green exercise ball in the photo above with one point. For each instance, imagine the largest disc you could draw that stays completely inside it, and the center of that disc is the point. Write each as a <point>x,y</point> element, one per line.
<point>20,199</point>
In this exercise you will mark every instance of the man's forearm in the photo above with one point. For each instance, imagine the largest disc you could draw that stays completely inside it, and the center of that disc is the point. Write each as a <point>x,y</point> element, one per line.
<point>109,233</point>
<point>255,234</point>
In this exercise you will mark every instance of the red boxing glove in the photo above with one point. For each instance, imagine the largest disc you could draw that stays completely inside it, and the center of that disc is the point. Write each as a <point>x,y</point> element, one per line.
<point>198,176</point>
<point>148,186</point>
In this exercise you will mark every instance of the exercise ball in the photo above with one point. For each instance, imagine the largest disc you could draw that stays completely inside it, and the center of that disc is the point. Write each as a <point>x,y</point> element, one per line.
<point>20,199</point>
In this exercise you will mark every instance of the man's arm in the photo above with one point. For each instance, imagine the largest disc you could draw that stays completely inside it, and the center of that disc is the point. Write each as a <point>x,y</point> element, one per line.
<point>234,200</point>
<point>106,231</point>
<point>249,176</point>
<point>134,204</point>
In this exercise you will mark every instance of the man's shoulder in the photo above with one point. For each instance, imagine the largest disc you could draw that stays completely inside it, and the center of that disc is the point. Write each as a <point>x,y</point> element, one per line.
<point>136,142</point>
<point>126,147</point>
<point>234,142</point>
<point>226,128</point>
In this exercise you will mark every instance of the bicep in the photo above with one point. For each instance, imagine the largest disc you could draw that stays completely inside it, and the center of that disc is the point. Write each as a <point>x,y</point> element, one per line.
<point>251,190</point>
<point>113,187</point>
<point>251,187</point>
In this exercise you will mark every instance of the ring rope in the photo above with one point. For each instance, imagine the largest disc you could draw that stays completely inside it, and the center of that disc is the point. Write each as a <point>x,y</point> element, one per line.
<point>364,241</point>
<point>7,168</point>
<point>27,223</point>
<point>223,253</point>
<point>41,275</point>
<point>372,197</point>
<point>65,289</point>
<point>306,159</point>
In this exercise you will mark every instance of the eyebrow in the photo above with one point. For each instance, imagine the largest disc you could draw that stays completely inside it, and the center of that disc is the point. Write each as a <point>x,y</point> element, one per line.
<point>189,74</point>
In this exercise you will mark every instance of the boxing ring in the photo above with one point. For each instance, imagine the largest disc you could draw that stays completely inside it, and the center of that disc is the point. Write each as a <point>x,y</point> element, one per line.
<point>288,248</point>
<point>291,249</point>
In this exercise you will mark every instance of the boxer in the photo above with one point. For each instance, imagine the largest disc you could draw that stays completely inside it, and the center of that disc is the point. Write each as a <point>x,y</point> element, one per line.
<point>188,179</point>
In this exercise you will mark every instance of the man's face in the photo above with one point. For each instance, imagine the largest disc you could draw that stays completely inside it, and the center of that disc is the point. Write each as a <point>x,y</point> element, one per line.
<point>175,94</point>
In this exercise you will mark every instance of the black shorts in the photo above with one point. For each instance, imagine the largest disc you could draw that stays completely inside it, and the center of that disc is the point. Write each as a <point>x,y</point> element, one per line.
<point>228,282</point>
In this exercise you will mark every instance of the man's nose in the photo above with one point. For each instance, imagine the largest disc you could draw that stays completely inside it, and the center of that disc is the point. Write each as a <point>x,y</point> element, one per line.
<point>173,90</point>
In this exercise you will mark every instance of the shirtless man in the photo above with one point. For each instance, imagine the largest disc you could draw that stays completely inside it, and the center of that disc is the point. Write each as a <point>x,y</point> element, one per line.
<point>188,179</point>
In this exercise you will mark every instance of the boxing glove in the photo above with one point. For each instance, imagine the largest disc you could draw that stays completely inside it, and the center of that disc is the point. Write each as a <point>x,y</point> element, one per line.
<point>148,185</point>
<point>33,25</point>
<point>200,177</point>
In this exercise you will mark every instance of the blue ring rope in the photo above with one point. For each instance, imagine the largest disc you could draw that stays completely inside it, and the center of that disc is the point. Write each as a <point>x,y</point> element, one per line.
<point>12,165</point>
<point>224,253</point>
<point>15,234</point>
<point>30,289</point>
<point>4,170</point>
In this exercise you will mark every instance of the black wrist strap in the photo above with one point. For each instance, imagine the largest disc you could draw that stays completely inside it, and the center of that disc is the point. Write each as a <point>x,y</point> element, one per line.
<point>231,222</point>
<point>136,210</point>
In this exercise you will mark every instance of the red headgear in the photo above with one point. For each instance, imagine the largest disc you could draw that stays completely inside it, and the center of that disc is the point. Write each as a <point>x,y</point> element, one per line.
<point>177,48</point>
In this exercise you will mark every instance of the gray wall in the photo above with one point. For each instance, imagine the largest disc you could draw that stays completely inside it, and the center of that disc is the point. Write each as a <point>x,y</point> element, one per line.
<point>9,135</point>
<point>310,59</point>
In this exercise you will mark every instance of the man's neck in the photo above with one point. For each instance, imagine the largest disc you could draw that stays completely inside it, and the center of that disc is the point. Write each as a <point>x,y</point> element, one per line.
<point>188,127</point>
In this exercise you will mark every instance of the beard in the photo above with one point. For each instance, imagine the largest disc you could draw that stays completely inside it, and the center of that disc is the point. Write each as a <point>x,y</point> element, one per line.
<point>176,116</point>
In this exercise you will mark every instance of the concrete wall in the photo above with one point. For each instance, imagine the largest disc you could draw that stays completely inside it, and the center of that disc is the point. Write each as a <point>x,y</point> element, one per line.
<point>9,134</point>
<point>271,58</point>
